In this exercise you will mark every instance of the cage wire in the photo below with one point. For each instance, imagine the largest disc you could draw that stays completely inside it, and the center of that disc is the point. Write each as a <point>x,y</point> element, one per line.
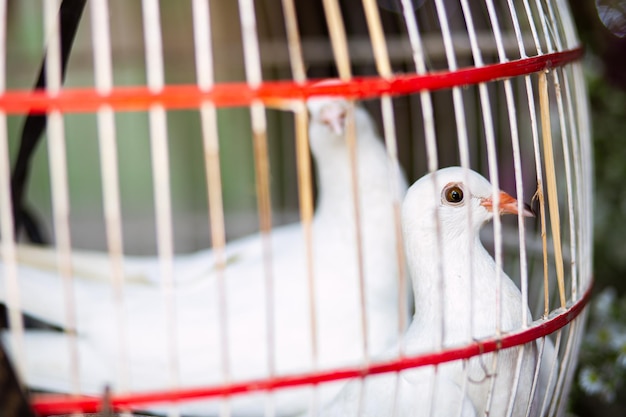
<point>208,257</point>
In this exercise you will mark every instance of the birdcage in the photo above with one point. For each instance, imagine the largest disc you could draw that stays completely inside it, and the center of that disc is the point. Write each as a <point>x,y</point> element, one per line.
<point>206,260</point>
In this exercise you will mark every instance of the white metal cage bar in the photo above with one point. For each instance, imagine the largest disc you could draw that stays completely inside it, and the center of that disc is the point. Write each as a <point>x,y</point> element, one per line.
<point>103,71</point>
<point>9,256</point>
<point>161,186</point>
<point>210,139</point>
<point>59,181</point>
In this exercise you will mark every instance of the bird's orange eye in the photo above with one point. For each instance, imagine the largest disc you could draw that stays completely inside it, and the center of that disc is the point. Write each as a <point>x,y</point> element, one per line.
<point>454,194</point>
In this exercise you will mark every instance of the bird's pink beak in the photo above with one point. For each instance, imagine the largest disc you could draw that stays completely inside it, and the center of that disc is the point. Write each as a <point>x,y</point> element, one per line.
<point>335,117</point>
<point>508,205</point>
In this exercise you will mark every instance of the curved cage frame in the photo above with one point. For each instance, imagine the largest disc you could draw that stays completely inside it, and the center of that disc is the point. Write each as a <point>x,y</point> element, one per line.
<point>555,55</point>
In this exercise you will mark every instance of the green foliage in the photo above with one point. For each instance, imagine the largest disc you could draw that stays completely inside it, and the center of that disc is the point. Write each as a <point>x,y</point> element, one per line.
<point>608,108</point>
<point>602,370</point>
<point>600,385</point>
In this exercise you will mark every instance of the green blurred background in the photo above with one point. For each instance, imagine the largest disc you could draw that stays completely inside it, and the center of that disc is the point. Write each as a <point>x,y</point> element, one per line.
<point>189,196</point>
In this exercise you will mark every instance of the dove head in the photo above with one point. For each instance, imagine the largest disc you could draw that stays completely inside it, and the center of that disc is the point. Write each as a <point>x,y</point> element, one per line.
<point>449,192</point>
<point>329,113</point>
<point>328,123</point>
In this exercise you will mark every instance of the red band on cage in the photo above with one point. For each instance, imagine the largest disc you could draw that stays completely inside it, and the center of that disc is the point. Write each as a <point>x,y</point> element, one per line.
<point>48,404</point>
<point>273,92</point>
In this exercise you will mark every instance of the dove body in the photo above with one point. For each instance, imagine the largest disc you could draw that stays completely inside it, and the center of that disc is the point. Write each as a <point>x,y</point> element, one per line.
<point>253,349</point>
<point>456,285</point>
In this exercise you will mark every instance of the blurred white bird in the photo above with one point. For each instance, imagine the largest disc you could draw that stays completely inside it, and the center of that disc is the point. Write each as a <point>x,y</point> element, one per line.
<point>455,294</point>
<point>196,294</point>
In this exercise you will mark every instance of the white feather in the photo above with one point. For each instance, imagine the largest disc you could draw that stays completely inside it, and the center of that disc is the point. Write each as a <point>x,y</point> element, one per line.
<point>196,293</point>
<point>453,311</point>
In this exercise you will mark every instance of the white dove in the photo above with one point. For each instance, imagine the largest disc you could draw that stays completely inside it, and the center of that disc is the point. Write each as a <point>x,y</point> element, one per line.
<point>455,291</point>
<point>196,293</point>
